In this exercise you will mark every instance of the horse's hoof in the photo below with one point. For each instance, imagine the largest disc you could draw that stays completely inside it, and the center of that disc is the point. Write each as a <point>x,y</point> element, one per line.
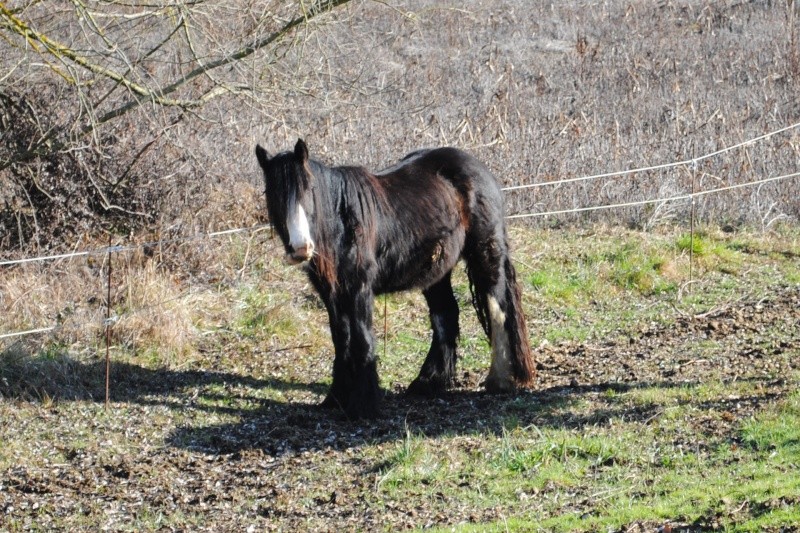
<point>499,386</point>
<point>352,412</point>
<point>427,388</point>
<point>326,404</point>
<point>362,412</point>
<point>331,402</point>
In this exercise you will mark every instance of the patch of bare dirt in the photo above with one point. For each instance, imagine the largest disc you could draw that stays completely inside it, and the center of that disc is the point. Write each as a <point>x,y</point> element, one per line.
<point>745,339</point>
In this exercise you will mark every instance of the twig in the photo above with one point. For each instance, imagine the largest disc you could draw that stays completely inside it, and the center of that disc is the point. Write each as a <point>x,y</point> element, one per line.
<point>288,348</point>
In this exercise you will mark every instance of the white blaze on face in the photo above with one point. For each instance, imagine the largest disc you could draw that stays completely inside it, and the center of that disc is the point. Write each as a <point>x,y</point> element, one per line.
<point>299,234</point>
<point>500,373</point>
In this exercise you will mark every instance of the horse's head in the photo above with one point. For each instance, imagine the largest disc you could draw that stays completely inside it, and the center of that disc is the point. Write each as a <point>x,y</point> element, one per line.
<point>288,181</point>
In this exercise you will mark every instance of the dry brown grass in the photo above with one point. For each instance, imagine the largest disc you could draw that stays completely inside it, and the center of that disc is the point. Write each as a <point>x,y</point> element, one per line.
<point>545,92</point>
<point>65,294</point>
<point>156,312</point>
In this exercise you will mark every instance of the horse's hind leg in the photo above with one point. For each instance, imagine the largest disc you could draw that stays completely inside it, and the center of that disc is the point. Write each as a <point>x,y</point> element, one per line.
<point>438,370</point>
<point>498,301</point>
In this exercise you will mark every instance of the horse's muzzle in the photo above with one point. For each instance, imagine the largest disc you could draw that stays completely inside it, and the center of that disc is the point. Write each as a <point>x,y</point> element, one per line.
<point>295,256</point>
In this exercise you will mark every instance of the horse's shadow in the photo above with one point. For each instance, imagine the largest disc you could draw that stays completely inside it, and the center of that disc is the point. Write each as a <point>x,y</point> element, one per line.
<point>278,427</point>
<point>66,379</point>
<point>286,428</point>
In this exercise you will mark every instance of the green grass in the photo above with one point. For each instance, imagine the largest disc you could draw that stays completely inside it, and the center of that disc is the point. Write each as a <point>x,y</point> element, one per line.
<point>628,473</point>
<point>776,432</point>
<point>578,277</point>
<point>266,313</point>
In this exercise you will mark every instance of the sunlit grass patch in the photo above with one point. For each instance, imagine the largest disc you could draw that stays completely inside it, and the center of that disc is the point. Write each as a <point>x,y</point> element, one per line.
<point>711,250</point>
<point>707,391</point>
<point>776,432</point>
<point>560,284</point>
<point>792,273</point>
<point>634,266</point>
<point>412,462</point>
<point>262,312</point>
<point>629,472</point>
<point>536,450</point>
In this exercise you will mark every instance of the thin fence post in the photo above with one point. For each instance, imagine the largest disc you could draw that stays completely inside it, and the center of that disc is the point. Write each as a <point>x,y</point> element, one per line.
<point>385,327</point>
<point>691,223</point>
<point>108,326</point>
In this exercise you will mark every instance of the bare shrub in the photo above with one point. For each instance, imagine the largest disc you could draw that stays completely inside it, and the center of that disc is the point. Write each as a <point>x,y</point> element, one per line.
<point>118,117</point>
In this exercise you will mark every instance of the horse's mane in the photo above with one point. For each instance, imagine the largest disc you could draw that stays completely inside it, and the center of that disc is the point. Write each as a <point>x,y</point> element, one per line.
<point>352,199</point>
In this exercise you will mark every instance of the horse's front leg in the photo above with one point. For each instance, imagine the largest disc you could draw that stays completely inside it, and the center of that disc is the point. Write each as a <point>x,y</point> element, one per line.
<point>355,374</point>
<point>363,364</point>
<point>339,394</point>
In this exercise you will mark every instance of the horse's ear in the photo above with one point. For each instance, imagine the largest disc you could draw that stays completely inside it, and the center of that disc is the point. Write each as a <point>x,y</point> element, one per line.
<point>262,155</point>
<point>301,151</point>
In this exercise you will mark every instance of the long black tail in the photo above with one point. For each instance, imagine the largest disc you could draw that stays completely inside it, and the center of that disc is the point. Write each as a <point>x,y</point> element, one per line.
<point>522,358</point>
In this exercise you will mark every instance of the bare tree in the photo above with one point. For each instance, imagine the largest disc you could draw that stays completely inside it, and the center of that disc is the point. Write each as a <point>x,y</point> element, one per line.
<point>90,92</point>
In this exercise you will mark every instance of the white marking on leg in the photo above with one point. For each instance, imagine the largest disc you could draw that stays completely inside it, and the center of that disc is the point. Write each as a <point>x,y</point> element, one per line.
<point>299,234</point>
<point>500,373</point>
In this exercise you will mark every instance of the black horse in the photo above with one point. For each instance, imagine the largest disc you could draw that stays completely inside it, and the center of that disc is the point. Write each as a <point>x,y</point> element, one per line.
<point>360,234</point>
